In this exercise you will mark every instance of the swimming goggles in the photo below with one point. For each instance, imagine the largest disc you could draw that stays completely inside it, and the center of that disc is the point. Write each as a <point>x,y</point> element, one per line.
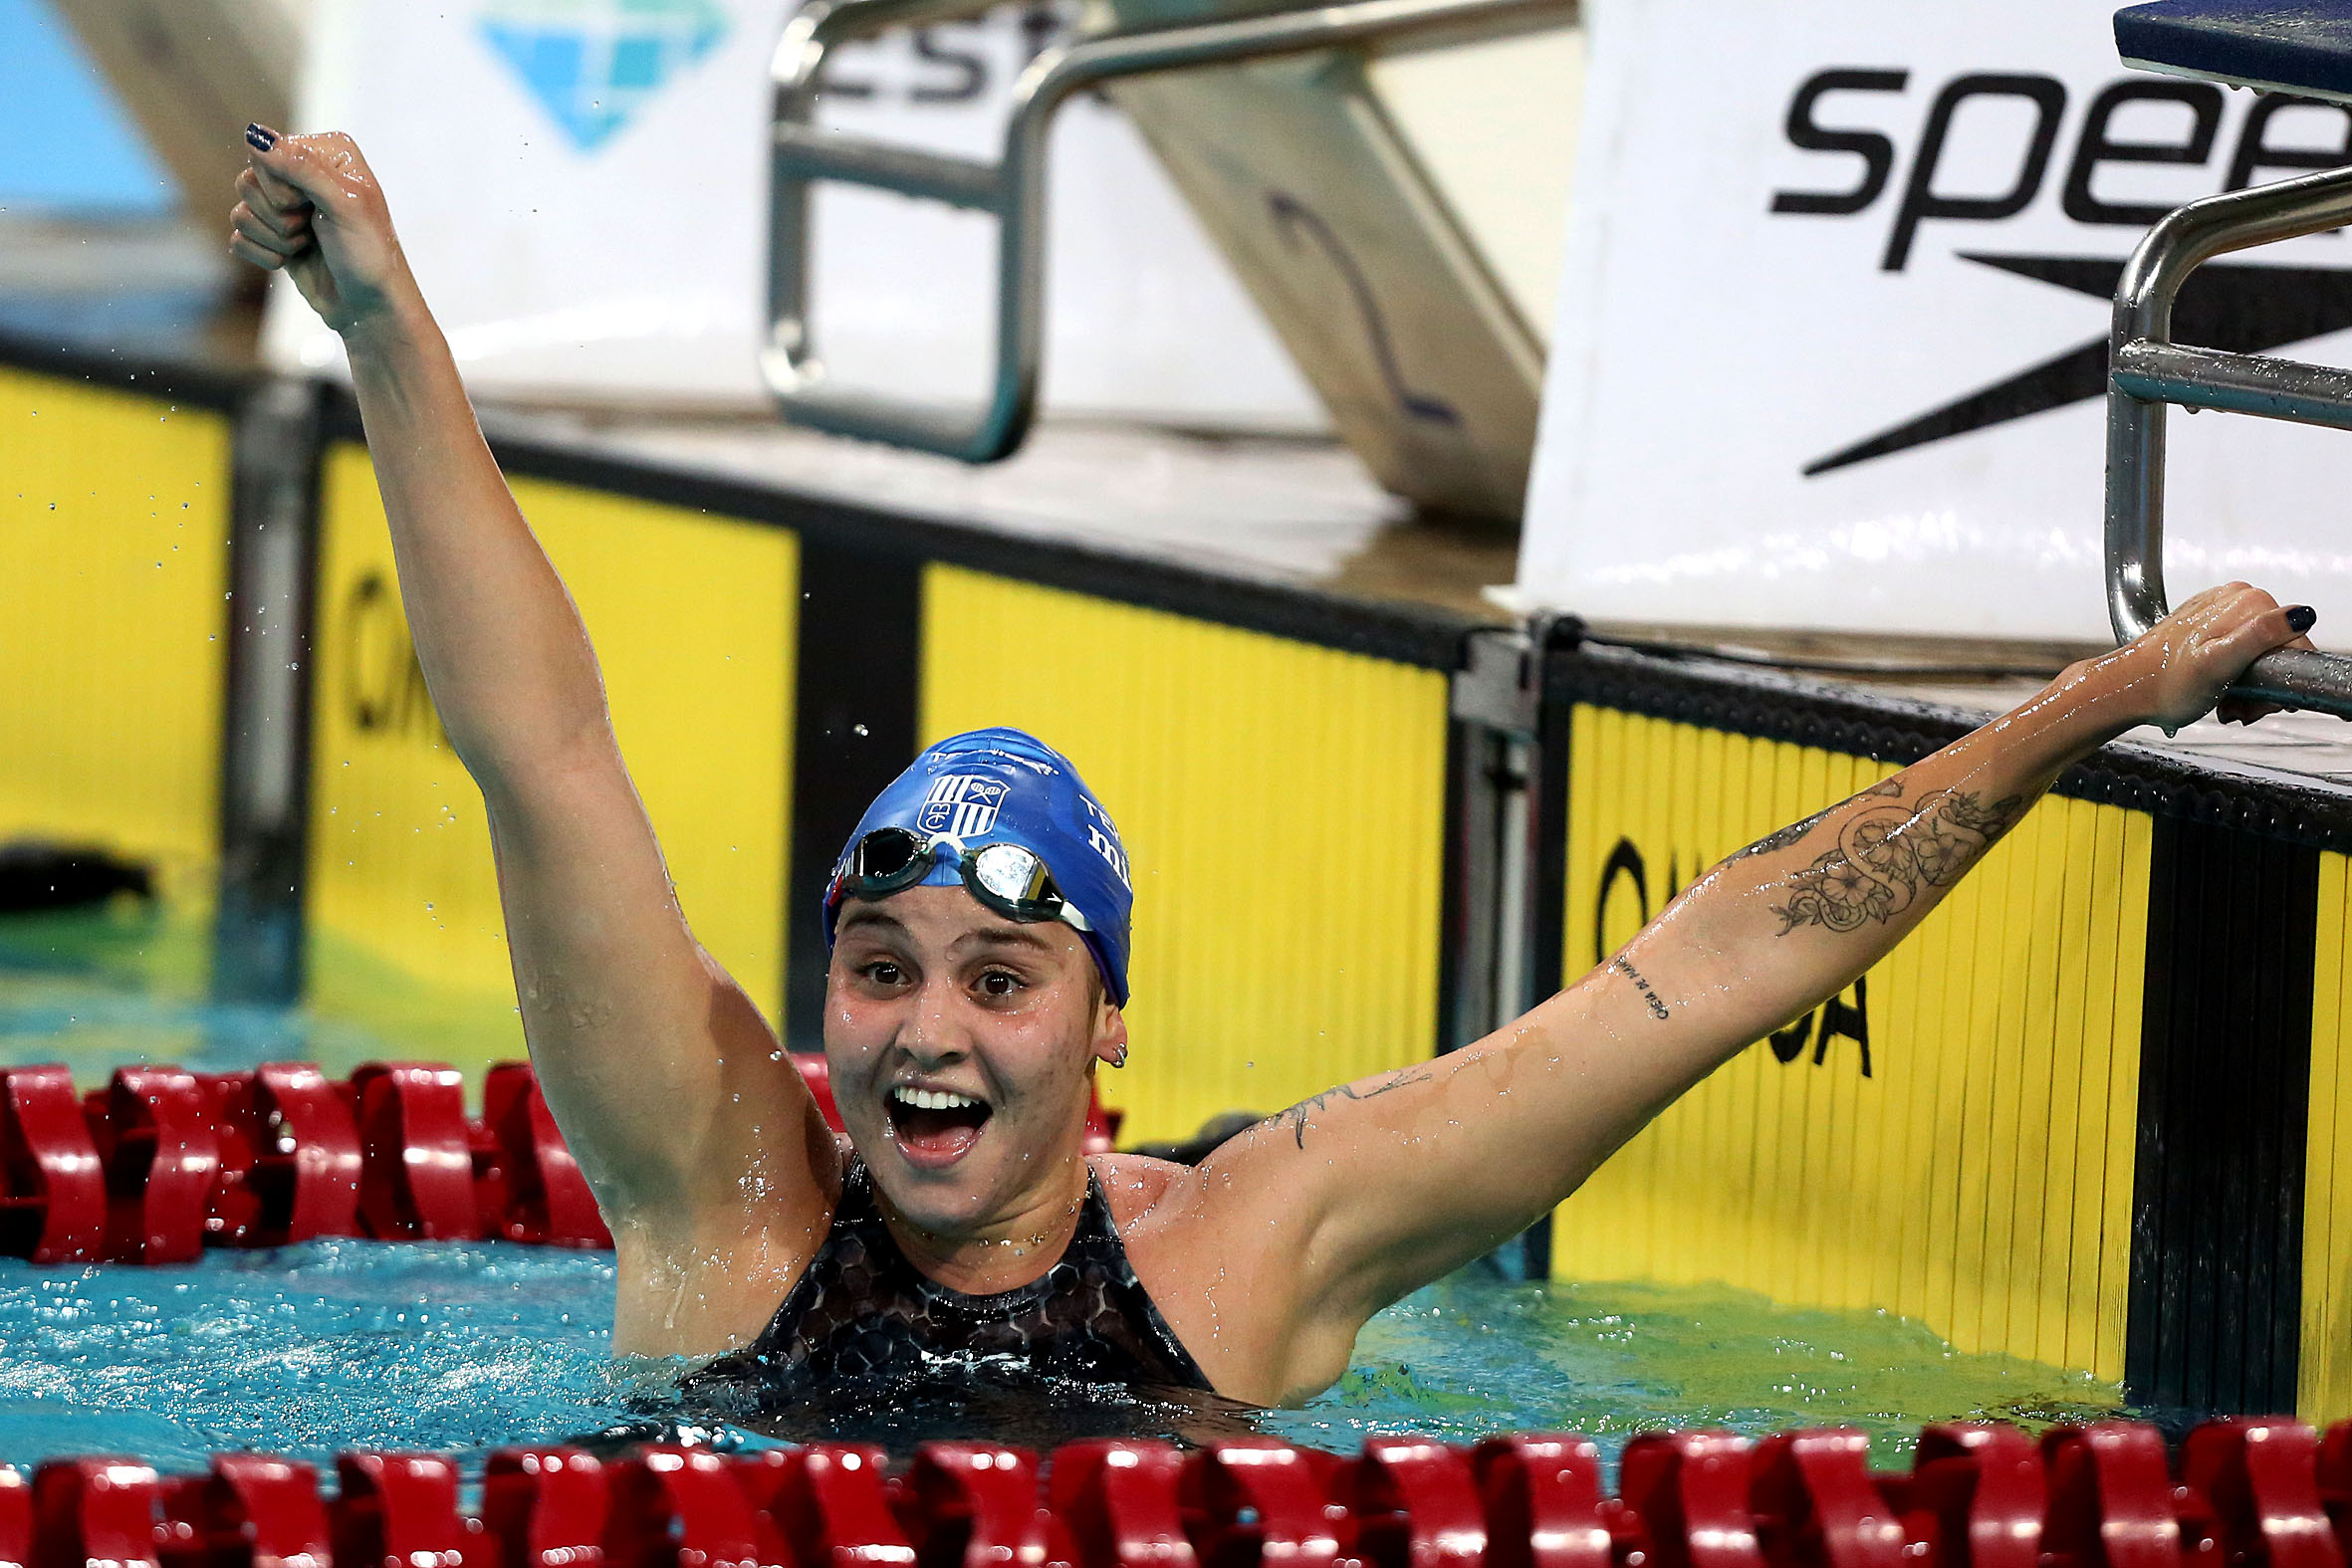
<point>1011,880</point>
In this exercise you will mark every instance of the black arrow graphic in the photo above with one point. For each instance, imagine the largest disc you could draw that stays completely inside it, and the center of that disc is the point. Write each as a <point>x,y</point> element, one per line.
<point>2242,308</point>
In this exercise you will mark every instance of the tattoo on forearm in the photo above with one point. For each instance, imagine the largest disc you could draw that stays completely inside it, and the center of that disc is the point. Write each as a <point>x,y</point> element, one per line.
<point>1793,835</point>
<point>1887,854</point>
<point>1296,1117</point>
<point>1649,994</point>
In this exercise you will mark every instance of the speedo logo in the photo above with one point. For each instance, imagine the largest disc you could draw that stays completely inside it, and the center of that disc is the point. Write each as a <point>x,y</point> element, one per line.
<point>2012,125</point>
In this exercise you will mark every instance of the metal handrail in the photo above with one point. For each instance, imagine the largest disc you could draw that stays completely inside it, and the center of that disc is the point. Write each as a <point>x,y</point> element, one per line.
<point>2146,371</point>
<point>1012,190</point>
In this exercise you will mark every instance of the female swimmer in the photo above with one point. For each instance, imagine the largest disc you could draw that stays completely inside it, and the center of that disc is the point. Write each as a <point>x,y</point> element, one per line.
<point>978,971</point>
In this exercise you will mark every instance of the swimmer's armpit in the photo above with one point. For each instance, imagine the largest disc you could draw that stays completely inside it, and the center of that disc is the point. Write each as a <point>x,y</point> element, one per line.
<point>1296,1117</point>
<point>1886,854</point>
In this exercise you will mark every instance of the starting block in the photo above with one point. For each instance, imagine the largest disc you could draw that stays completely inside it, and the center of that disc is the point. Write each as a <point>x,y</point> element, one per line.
<point>2273,46</point>
<point>2285,45</point>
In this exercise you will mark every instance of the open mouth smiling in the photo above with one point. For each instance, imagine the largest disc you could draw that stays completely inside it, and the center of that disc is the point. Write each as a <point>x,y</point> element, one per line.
<point>934,1127</point>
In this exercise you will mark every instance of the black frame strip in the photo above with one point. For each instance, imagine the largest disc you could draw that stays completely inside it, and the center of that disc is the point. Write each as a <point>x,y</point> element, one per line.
<point>1427,636</point>
<point>259,951</point>
<point>1771,704</point>
<point>1430,638</point>
<point>1547,875</point>
<point>174,380</point>
<point>1454,915</point>
<point>857,677</point>
<point>2214,1318</point>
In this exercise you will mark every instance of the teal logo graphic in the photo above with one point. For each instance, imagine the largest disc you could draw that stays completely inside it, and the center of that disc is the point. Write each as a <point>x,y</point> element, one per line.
<point>593,63</point>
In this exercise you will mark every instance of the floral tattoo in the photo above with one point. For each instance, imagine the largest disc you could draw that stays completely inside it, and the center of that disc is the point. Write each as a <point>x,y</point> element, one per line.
<point>1886,854</point>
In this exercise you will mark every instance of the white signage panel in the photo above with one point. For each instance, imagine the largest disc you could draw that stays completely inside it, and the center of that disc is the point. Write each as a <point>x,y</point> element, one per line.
<point>1832,343</point>
<point>582,187</point>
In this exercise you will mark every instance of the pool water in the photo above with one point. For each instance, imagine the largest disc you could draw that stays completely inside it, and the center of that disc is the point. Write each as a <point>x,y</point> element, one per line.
<point>461,1348</point>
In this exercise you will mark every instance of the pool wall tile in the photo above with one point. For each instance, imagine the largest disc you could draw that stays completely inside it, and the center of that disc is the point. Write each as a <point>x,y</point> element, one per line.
<point>113,575</point>
<point>2120,1045</point>
<point>2324,1373</point>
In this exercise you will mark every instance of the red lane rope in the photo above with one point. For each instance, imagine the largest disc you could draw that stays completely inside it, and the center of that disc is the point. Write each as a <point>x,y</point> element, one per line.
<point>2246,1493</point>
<point>164,1162</point>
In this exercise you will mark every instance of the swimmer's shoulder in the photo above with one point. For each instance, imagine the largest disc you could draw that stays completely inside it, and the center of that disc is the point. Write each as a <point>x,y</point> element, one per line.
<point>1149,1194</point>
<point>1143,1189</point>
<point>1225,1293</point>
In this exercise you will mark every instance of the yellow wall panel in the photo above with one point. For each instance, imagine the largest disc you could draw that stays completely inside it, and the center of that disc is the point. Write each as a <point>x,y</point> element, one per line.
<point>2105,1164</point>
<point>1282,804</point>
<point>694,621</point>
<point>1978,1176</point>
<point>2325,1378</point>
<point>114,570</point>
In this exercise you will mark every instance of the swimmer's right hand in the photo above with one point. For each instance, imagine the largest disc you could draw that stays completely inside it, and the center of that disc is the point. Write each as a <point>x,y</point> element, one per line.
<point>311,208</point>
<point>2177,671</point>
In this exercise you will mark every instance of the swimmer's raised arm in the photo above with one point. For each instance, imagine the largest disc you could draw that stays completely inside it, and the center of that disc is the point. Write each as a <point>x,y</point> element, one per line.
<point>700,1140</point>
<point>1367,1192</point>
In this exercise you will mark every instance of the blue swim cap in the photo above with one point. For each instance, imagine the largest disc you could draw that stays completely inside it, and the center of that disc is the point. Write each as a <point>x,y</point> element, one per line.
<point>1005,786</point>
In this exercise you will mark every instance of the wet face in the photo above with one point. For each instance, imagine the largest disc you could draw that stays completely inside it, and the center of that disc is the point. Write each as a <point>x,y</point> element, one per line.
<point>961,1046</point>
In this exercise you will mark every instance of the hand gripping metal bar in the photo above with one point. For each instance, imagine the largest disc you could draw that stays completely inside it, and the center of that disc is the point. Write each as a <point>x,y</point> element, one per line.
<point>1012,190</point>
<point>2147,371</point>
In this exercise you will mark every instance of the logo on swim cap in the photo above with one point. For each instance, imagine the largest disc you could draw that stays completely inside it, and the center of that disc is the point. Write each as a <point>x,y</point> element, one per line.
<point>1104,837</point>
<point>961,806</point>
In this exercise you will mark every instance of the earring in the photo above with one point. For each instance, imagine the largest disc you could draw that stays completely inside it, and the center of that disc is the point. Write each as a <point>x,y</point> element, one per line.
<point>1119,1055</point>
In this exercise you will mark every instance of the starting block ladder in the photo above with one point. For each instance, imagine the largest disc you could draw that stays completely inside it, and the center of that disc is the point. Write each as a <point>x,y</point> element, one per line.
<point>2276,46</point>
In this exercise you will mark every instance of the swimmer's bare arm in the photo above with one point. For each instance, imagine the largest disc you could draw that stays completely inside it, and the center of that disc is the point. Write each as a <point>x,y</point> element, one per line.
<point>1343,1203</point>
<point>664,1076</point>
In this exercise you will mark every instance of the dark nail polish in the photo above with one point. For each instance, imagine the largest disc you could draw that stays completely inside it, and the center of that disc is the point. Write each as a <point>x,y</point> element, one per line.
<point>2300,618</point>
<point>261,137</point>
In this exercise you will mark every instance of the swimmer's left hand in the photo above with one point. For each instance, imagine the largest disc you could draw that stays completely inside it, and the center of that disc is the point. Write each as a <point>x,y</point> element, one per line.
<point>2180,670</point>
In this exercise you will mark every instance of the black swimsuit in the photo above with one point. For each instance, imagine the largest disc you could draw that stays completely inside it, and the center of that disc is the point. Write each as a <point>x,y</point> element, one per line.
<point>862,1311</point>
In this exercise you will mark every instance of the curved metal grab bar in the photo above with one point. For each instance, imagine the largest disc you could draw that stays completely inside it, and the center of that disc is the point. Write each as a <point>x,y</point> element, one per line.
<point>1012,190</point>
<point>2146,371</point>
